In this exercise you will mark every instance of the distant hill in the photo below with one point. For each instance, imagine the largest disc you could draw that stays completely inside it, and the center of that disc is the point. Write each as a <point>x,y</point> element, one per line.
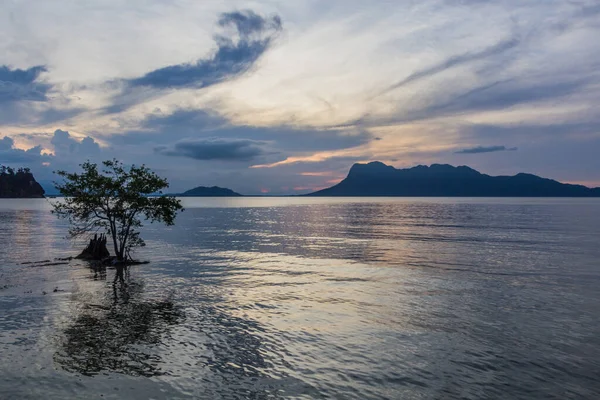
<point>215,191</point>
<point>19,184</point>
<point>378,179</point>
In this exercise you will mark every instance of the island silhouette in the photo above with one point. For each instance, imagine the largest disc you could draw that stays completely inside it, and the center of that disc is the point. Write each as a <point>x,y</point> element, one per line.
<point>19,183</point>
<point>375,179</point>
<point>379,179</point>
<point>204,191</point>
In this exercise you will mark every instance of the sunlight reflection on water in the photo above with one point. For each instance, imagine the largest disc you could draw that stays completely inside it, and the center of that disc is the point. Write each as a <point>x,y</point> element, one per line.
<point>309,298</point>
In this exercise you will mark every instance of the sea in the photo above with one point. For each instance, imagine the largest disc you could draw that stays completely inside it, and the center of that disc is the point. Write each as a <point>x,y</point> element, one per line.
<point>310,298</point>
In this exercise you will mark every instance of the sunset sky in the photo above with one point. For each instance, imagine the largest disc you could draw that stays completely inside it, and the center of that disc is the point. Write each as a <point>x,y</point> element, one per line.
<point>282,97</point>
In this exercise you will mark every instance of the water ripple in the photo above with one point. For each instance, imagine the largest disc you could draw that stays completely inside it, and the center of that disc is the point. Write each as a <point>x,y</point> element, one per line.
<point>345,299</point>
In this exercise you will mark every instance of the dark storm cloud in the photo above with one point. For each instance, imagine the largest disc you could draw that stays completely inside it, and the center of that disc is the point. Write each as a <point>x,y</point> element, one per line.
<point>484,149</point>
<point>216,149</point>
<point>235,54</point>
<point>22,84</point>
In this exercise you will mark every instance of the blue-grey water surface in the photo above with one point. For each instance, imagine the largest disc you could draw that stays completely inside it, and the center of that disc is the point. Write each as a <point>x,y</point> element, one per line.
<point>266,298</point>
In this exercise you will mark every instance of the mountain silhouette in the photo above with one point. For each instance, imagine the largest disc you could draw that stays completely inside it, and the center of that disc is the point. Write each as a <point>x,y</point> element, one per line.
<point>379,179</point>
<point>215,191</point>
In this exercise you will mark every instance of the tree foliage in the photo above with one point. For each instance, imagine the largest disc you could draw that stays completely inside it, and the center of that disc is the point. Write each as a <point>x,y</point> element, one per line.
<point>5,170</point>
<point>115,200</point>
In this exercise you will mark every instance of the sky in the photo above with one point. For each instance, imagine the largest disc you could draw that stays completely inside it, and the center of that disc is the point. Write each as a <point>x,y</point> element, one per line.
<point>282,97</point>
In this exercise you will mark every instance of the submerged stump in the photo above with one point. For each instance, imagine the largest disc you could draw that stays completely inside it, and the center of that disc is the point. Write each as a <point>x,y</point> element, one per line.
<point>97,253</point>
<point>96,249</point>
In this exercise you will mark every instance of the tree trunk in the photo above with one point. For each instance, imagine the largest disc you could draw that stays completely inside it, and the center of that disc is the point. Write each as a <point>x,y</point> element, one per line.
<point>113,231</point>
<point>96,249</point>
<point>121,255</point>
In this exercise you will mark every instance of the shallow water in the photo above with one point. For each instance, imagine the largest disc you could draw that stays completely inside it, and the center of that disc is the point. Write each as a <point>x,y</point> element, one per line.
<point>265,298</point>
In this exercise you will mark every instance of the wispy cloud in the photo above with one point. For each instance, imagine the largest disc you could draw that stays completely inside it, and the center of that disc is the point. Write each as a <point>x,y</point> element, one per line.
<point>456,61</point>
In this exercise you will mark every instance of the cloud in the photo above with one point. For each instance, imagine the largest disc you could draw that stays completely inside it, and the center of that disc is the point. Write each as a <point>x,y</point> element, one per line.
<point>68,151</point>
<point>235,54</point>
<point>66,145</point>
<point>503,94</point>
<point>24,98</point>
<point>455,61</point>
<point>249,23</point>
<point>22,84</point>
<point>483,149</point>
<point>11,155</point>
<point>6,143</point>
<point>216,149</point>
<point>159,129</point>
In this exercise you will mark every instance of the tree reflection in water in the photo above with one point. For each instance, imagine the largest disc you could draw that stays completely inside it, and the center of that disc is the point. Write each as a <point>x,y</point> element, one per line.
<point>213,353</point>
<point>99,271</point>
<point>120,335</point>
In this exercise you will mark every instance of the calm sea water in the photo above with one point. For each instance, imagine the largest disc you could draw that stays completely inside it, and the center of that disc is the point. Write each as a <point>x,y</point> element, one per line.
<point>266,298</point>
